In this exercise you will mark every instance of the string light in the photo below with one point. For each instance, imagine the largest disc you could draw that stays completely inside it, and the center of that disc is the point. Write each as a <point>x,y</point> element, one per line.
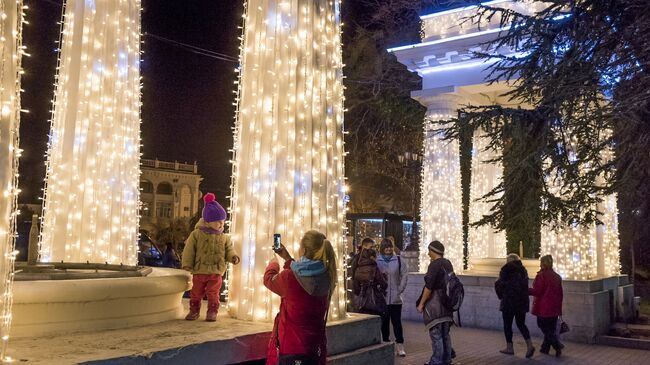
<point>484,241</point>
<point>12,18</point>
<point>93,158</point>
<point>288,172</point>
<point>441,190</point>
<point>586,252</point>
<point>455,22</point>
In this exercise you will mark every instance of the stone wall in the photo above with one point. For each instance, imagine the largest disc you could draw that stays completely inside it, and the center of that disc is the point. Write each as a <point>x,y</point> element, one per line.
<point>590,307</point>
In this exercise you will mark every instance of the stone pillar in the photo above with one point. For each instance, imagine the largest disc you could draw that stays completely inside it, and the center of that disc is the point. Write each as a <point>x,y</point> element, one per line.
<point>288,173</point>
<point>93,158</point>
<point>441,206</point>
<point>11,24</point>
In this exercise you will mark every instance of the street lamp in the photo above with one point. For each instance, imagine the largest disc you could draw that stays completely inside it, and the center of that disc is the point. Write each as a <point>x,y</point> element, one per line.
<point>412,164</point>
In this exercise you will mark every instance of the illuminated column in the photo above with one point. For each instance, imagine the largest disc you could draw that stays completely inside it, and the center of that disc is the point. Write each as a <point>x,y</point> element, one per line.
<point>586,252</point>
<point>484,241</point>
<point>441,207</point>
<point>93,158</point>
<point>11,51</point>
<point>288,174</point>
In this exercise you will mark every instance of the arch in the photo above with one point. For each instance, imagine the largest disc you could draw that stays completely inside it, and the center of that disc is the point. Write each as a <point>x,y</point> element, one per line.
<point>146,186</point>
<point>164,188</point>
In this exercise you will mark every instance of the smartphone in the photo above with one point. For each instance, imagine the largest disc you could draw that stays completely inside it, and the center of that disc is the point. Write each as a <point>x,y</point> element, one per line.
<point>277,242</point>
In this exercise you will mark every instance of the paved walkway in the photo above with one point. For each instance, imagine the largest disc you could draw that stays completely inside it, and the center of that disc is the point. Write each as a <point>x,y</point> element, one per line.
<point>481,347</point>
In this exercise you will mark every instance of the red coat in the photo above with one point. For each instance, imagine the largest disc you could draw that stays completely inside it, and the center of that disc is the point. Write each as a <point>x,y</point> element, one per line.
<point>547,290</point>
<point>301,321</point>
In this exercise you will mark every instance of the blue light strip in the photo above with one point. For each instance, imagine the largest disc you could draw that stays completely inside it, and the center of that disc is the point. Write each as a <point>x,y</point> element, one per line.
<point>458,10</point>
<point>450,39</point>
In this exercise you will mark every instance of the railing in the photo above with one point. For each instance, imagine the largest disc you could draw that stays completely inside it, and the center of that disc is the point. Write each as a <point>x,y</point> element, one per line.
<point>177,166</point>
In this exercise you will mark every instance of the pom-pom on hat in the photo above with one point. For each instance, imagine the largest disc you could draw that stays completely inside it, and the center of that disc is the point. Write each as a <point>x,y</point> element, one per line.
<point>213,211</point>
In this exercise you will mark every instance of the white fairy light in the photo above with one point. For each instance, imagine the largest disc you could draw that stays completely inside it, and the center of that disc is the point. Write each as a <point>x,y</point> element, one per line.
<point>93,159</point>
<point>484,241</point>
<point>288,172</point>
<point>441,206</point>
<point>586,252</point>
<point>11,51</point>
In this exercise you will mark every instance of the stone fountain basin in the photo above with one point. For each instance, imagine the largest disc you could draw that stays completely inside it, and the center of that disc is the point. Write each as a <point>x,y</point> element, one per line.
<point>45,307</point>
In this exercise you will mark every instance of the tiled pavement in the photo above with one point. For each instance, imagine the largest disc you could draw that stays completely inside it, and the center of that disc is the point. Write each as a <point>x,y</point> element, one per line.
<point>480,347</point>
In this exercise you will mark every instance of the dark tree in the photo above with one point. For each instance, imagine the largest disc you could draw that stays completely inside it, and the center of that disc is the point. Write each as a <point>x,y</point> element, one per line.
<point>583,67</point>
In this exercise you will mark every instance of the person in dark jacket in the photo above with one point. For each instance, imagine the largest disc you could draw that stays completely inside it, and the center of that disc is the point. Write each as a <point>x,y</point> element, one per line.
<point>170,258</point>
<point>547,305</point>
<point>305,286</point>
<point>512,290</point>
<point>369,286</point>
<point>437,317</point>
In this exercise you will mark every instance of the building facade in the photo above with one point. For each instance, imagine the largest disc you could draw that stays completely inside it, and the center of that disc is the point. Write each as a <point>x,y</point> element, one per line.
<point>168,190</point>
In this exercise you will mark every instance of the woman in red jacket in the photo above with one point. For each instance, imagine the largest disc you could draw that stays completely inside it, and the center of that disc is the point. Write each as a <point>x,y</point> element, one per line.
<point>547,305</point>
<point>305,287</point>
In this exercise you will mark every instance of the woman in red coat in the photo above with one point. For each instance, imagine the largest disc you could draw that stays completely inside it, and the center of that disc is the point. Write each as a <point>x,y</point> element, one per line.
<point>305,287</point>
<point>547,305</point>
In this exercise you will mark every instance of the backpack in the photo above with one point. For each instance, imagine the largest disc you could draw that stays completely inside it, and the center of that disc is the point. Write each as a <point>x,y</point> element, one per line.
<point>454,292</point>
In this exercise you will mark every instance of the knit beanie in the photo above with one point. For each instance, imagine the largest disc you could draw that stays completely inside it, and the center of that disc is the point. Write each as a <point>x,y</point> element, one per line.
<point>212,211</point>
<point>437,247</point>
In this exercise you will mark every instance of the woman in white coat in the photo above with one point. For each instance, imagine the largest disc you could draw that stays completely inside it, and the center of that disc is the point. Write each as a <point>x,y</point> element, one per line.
<point>396,273</point>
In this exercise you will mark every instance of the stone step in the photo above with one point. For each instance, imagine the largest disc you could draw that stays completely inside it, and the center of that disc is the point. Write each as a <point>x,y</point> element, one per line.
<point>630,343</point>
<point>379,354</point>
<point>355,332</point>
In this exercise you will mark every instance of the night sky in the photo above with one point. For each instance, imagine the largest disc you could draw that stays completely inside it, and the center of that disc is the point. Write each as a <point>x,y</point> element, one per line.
<point>187,111</point>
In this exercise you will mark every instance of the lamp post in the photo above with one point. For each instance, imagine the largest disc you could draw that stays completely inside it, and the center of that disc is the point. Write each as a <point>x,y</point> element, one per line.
<point>411,162</point>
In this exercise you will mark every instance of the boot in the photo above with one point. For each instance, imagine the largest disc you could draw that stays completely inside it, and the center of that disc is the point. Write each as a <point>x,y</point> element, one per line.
<point>400,349</point>
<point>544,349</point>
<point>509,350</point>
<point>531,349</point>
<point>195,308</point>
<point>211,316</point>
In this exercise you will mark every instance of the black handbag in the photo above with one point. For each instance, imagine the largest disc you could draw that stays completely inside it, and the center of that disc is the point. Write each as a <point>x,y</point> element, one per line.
<point>564,327</point>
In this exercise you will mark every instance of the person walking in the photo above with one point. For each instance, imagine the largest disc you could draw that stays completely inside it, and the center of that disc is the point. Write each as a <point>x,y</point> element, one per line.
<point>396,273</point>
<point>437,317</point>
<point>512,290</point>
<point>305,287</point>
<point>547,305</point>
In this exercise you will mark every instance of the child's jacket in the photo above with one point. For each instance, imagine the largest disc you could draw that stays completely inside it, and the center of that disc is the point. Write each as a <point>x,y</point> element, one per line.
<point>207,253</point>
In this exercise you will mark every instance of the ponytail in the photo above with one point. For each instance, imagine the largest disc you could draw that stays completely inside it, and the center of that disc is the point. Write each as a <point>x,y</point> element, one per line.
<point>318,247</point>
<point>330,263</point>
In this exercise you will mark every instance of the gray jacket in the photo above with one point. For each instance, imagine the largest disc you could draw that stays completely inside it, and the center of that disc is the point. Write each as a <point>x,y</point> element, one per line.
<point>395,277</point>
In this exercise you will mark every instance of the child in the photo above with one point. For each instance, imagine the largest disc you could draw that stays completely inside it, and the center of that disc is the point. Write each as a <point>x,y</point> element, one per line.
<point>206,254</point>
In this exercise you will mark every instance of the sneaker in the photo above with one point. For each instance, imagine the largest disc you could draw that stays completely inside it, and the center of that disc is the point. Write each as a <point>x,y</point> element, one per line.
<point>400,350</point>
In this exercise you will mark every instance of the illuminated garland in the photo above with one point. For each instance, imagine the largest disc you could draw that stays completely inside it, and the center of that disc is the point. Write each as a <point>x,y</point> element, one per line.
<point>93,159</point>
<point>288,172</point>
<point>483,241</point>
<point>12,18</point>
<point>441,205</point>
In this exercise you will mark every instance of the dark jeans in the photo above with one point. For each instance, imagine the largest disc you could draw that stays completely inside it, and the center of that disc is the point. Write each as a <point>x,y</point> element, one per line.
<point>548,325</point>
<point>393,315</point>
<point>440,344</point>
<point>520,318</point>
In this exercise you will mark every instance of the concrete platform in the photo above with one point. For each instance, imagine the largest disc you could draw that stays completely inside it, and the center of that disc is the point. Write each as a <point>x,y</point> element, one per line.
<point>356,340</point>
<point>590,307</point>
